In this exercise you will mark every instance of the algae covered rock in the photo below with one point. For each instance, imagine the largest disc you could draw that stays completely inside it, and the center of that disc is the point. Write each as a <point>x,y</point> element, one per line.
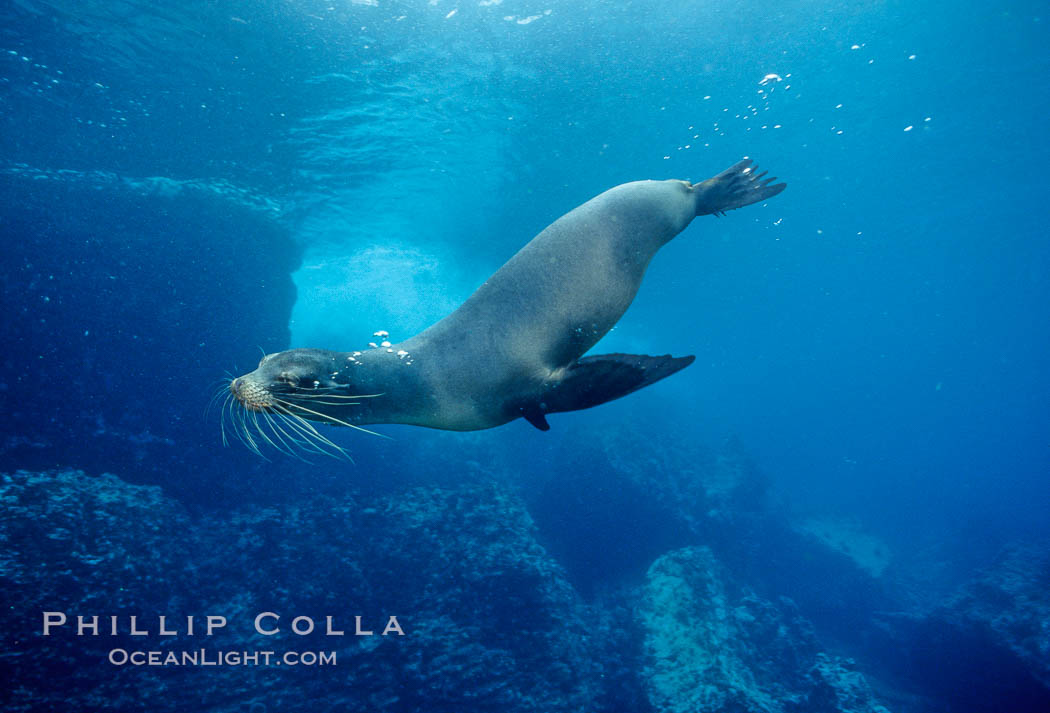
<point>839,686</point>
<point>711,645</point>
<point>846,536</point>
<point>489,622</point>
<point>84,546</point>
<point>987,643</point>
<point>1011,602</point>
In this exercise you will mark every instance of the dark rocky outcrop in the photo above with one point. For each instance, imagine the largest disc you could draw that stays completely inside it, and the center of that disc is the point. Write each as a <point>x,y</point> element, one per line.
<point>712,645</point>
<point>129,300</point>
<point>493,620</point>
<point>1011,602</point>
<point>490,622</point>
<point>986,647</point>
<point>636,495</point>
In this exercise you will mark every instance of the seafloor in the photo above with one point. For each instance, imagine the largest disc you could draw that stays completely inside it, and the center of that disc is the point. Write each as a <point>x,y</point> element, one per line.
<point>731,616</point>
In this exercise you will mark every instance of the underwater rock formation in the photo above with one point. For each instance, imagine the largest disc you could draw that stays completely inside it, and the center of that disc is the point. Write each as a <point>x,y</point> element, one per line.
<point>845,535</point>
<point>1011,602</point>
<point>490,622</point>
<point>986,644</point>
<point>713,646</point>
<point>134,298</point>
<point>636,495</point>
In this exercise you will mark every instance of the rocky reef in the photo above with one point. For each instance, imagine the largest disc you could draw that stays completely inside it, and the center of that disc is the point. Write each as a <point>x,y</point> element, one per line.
<point>846,536</point>
<point>130,299</point>
<point>664,582</point>
<point>634,497</point>
<point>985,647</point>
<point>712,645</point>
<point>1010,601</point>
<point>491,621</point>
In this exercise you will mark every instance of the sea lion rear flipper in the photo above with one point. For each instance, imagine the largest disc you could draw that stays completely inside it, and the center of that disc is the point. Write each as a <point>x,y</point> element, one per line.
<point>737,186</point>
<point>597,379</point>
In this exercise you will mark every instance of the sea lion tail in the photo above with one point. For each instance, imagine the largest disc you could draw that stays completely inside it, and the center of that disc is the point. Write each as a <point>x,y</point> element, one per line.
<point>598,379</point>
<point>737,186</point>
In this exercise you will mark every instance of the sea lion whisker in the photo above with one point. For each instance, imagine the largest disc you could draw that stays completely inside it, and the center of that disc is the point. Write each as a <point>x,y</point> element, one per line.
<point>254,416</point>
<point>319,395</point>
<point>317,400</point>
<point>246,437</point>
<point>229,407</point>
<point>308,431</point>
<point>308,441</point>
<point>222,422</point>
<point>222,387</point>
<point>272,423</point>
<point>261,432</point>
<point>330,418</point>
<point>250,442</point>
<point>312,434</point>
<point>220,384</point>
<point>238,430</point>
<point>314,394</point>
<point>276,420</point>
<point>318,444</point>
<point>283,446</point>
<point>319,391</point>
<point>216,393</point>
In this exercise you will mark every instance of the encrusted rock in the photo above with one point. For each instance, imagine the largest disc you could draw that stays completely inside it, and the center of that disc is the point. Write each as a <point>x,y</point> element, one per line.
<point>490,622</point>
<point>713,646</point>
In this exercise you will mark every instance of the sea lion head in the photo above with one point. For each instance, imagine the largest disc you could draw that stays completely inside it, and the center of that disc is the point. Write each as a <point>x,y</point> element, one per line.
<point>285,378</point>
<point>288,389</point>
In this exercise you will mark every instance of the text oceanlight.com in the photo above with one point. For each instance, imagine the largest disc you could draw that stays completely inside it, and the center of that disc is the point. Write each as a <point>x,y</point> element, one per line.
<point>202,657</point>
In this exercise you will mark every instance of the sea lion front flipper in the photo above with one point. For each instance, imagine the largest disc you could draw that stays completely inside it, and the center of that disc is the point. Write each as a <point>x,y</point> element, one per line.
<point>534,415</point>
<point>597,379</point>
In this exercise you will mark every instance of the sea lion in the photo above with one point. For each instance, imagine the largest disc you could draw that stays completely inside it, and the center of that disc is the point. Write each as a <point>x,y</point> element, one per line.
<point>515,348</point>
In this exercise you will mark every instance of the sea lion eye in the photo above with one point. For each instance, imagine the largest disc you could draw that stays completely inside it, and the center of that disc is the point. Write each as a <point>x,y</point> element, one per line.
<point>287,377</point>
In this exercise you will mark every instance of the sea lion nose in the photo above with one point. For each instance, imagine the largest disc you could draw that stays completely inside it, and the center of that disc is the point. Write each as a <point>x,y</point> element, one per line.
<point>235,386</point>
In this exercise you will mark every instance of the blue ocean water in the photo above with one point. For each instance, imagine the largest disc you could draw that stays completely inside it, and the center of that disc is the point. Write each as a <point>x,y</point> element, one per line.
<point>185,184</point>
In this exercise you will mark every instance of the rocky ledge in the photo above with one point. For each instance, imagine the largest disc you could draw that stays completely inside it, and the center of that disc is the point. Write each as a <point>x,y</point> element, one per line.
<point>490,619</point>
